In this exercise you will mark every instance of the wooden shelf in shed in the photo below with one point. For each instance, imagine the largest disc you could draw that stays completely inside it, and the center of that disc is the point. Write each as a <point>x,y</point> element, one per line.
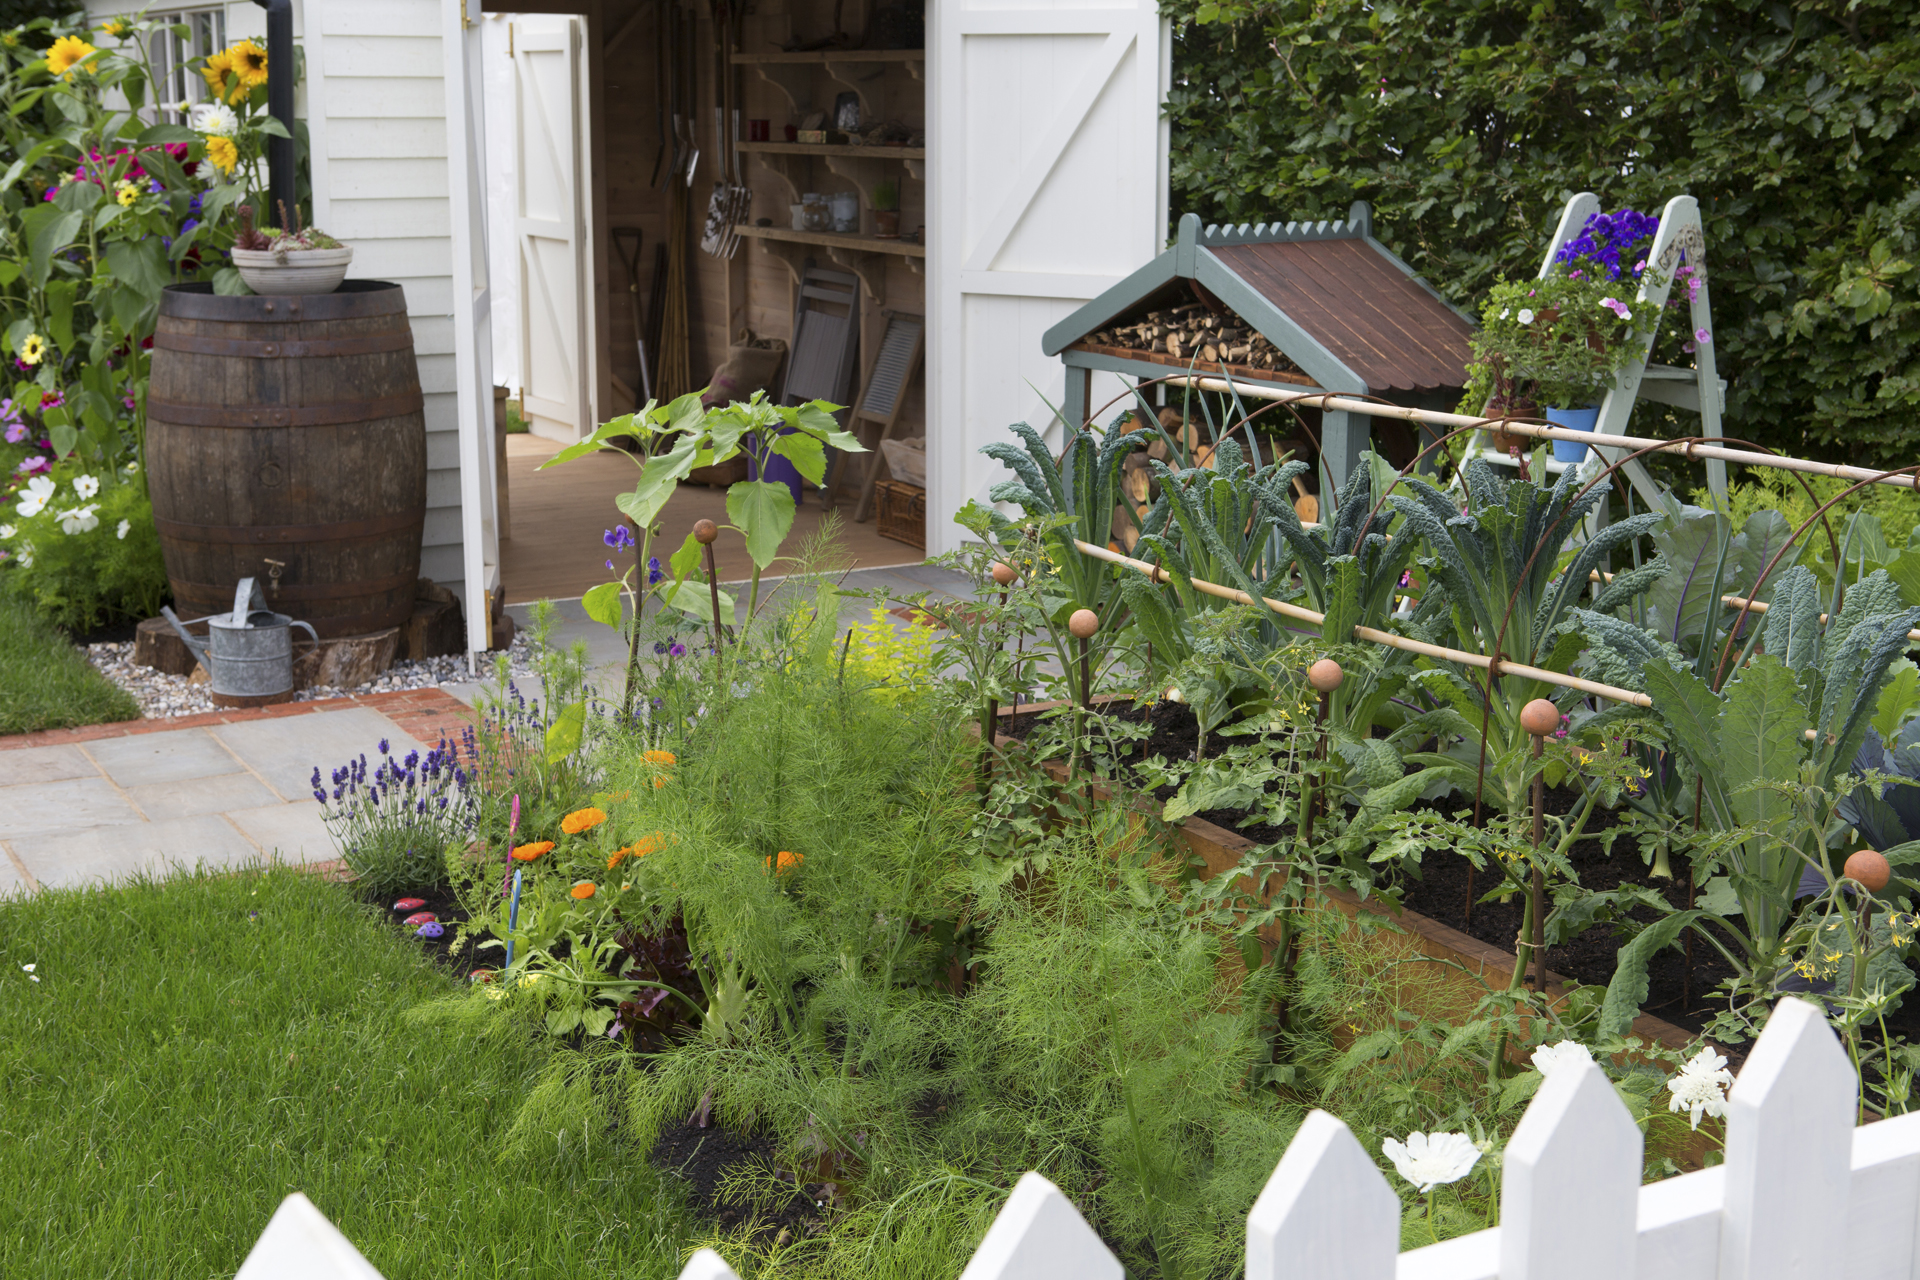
<point>829,149</point>
<point>865,256</point>
<point>832,55</point>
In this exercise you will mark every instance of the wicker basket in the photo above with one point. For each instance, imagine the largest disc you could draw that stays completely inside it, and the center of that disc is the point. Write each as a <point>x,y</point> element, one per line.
<point>901,512</point>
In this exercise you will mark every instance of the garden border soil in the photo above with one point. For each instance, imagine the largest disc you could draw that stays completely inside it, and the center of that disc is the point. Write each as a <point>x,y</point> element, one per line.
<point>1481,966</point>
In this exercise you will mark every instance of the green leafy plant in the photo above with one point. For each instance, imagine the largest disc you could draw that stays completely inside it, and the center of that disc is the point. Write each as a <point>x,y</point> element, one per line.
<point>79,545</point>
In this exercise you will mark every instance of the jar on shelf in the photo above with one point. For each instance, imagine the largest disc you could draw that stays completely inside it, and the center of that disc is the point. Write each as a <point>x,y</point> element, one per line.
<point>815,212</point>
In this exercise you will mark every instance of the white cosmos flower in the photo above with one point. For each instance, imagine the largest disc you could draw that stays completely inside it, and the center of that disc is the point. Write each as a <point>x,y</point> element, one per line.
<point>1701,1086</point>
<point>121,532</point>
<point>215,119</point>
<point>1430,1160</point>
<point>39,493</point>
<point>1505,312</point>
<point>7,531</point>
<point>85,486</point>
<point>1549,1058</point>
<point>1526,315</point>
<point>79,520</point>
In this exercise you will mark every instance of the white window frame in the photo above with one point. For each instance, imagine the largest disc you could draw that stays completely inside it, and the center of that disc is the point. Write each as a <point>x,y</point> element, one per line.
<point>170,53</point>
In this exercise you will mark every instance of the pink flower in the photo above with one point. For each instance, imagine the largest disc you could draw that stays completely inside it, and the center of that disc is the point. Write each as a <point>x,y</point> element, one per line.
<point>1702,337</point>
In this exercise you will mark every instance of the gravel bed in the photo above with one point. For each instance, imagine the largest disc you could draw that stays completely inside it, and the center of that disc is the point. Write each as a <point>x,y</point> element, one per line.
<point>162,696</point>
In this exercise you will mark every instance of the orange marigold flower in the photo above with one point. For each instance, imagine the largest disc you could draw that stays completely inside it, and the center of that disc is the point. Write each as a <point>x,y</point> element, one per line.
<point>660,757</point>
<point>582,820</point>
<point>584,890</point>
<point>786,862</point>
<point>620,797</point>
<point>638,849</point>
<point>528,852</point>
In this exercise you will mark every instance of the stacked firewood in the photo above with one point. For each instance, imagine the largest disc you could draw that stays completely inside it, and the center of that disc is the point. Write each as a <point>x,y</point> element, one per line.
<point>1193,332</point>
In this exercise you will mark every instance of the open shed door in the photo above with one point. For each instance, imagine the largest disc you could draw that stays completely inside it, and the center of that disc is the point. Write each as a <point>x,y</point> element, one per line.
<point>550,222</point>
<point>1048,184</point>
<point>472,318</point>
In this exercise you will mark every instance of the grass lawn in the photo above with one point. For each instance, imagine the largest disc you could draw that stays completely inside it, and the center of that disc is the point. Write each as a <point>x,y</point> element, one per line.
<point>46,683</point>
<point>197,1049</point>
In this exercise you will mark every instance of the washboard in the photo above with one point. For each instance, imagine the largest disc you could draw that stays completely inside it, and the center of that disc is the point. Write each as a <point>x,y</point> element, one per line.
<point>883,398</point>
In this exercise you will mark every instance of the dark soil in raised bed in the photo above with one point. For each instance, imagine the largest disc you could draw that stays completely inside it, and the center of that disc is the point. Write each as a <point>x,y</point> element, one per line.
<point>706,1157</point>
<point>1681,981</point>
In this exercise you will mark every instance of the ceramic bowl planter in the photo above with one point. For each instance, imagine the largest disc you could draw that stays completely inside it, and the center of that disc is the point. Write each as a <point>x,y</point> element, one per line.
<point>276,272</point>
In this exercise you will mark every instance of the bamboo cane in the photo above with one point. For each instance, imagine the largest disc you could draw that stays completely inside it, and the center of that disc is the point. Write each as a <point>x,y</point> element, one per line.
<point>1685,448</point>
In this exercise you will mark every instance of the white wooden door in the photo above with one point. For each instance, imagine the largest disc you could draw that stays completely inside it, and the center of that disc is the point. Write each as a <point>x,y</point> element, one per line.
<point>550,223</point>
<point>472,316</point>
<point>1048,184</point>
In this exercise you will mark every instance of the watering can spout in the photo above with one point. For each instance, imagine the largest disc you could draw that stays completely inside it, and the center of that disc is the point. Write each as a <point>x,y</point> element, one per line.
<point>199,649</point>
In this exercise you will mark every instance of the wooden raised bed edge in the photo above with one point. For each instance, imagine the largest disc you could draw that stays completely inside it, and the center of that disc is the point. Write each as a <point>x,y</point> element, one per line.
<point>1221,850</point>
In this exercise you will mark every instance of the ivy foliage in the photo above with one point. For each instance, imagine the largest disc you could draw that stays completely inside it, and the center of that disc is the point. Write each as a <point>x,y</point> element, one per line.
<point>1468,123</point>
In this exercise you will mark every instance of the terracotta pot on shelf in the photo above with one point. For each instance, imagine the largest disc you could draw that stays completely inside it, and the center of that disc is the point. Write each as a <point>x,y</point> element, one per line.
<point>1509,406</point>
<point>886,224</point>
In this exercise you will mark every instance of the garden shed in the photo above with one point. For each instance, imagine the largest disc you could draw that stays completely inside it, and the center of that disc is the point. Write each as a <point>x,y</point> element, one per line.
<point>1312,306</point>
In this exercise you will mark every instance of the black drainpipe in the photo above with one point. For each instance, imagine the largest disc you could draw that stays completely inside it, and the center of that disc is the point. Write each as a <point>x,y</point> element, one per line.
<point>280,76</point>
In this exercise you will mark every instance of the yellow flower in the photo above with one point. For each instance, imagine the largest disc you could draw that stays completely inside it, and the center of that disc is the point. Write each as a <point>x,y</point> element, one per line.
<point>11,39</point>
<point>67,53</point>
<point>126,193</point>
<point>33,349</point>
<point>249,62</point>
<point>113,27</point>
<point>214,71</point>
<point>222,154</point>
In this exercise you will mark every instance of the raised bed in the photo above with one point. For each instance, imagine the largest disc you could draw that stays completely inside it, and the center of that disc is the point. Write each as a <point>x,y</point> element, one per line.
<point>1466,966</point>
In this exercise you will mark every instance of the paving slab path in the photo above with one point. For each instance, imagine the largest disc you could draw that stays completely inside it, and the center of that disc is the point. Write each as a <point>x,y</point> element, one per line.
<point>106,802</point>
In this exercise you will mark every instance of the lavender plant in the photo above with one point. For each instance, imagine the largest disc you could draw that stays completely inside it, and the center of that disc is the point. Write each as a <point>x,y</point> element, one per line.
<point>395,822</point>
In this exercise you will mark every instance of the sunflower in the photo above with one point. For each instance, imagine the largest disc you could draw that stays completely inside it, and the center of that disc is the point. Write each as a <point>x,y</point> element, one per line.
<point>67,53</point>
<point>33,349</point>
<point>222,154</point>
<point>214,71</point>
<point>249,62</point>
<point>114,27</point>
<point>582,820</point>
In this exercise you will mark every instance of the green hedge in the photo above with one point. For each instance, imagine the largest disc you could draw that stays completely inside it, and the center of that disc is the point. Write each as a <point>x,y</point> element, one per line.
<point>1467,123</point>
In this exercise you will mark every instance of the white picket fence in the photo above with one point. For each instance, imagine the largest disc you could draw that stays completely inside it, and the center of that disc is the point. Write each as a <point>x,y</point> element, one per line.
<point>1803,1195</point>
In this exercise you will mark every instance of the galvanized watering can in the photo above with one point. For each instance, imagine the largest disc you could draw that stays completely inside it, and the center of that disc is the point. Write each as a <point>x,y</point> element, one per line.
<point>249,652</point>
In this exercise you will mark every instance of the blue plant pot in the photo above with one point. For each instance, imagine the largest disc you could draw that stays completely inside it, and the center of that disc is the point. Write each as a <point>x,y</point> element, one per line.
<point>1573,420</point>
<point>779,471</point>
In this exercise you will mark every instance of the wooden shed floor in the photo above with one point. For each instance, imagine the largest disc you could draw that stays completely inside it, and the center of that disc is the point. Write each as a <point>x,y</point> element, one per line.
<point>556,519</point>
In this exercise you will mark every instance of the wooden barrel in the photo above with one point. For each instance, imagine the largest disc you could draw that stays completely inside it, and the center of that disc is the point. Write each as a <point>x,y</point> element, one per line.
<point>286,441</point>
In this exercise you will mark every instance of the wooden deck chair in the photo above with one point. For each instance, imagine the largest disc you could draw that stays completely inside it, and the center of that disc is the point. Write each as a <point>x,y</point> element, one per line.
<point>882,399</point>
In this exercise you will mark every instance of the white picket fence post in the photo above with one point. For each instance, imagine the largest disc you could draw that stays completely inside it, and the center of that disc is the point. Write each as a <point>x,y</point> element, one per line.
<point>300,1244</point>
<point>1576,1146</point>
<point>1327,1212</point>
<point>1803,1195</point>
<point>1789,1140</point>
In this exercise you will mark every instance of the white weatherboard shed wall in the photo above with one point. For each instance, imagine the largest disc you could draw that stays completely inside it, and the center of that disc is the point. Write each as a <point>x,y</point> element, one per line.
<point>378,127</point>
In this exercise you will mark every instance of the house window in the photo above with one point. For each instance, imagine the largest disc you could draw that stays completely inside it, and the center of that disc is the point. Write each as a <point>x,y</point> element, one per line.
<point>174,80</point>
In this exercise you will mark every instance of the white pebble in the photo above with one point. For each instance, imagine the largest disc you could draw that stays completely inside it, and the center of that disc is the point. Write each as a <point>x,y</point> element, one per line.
<point>162,696</point>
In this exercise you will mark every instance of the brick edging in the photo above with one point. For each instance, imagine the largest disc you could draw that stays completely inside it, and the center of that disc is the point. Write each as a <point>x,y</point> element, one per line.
<point>424,713</point>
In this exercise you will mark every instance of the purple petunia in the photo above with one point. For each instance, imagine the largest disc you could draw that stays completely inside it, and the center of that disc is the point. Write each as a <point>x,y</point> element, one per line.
<point>619,539</point>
